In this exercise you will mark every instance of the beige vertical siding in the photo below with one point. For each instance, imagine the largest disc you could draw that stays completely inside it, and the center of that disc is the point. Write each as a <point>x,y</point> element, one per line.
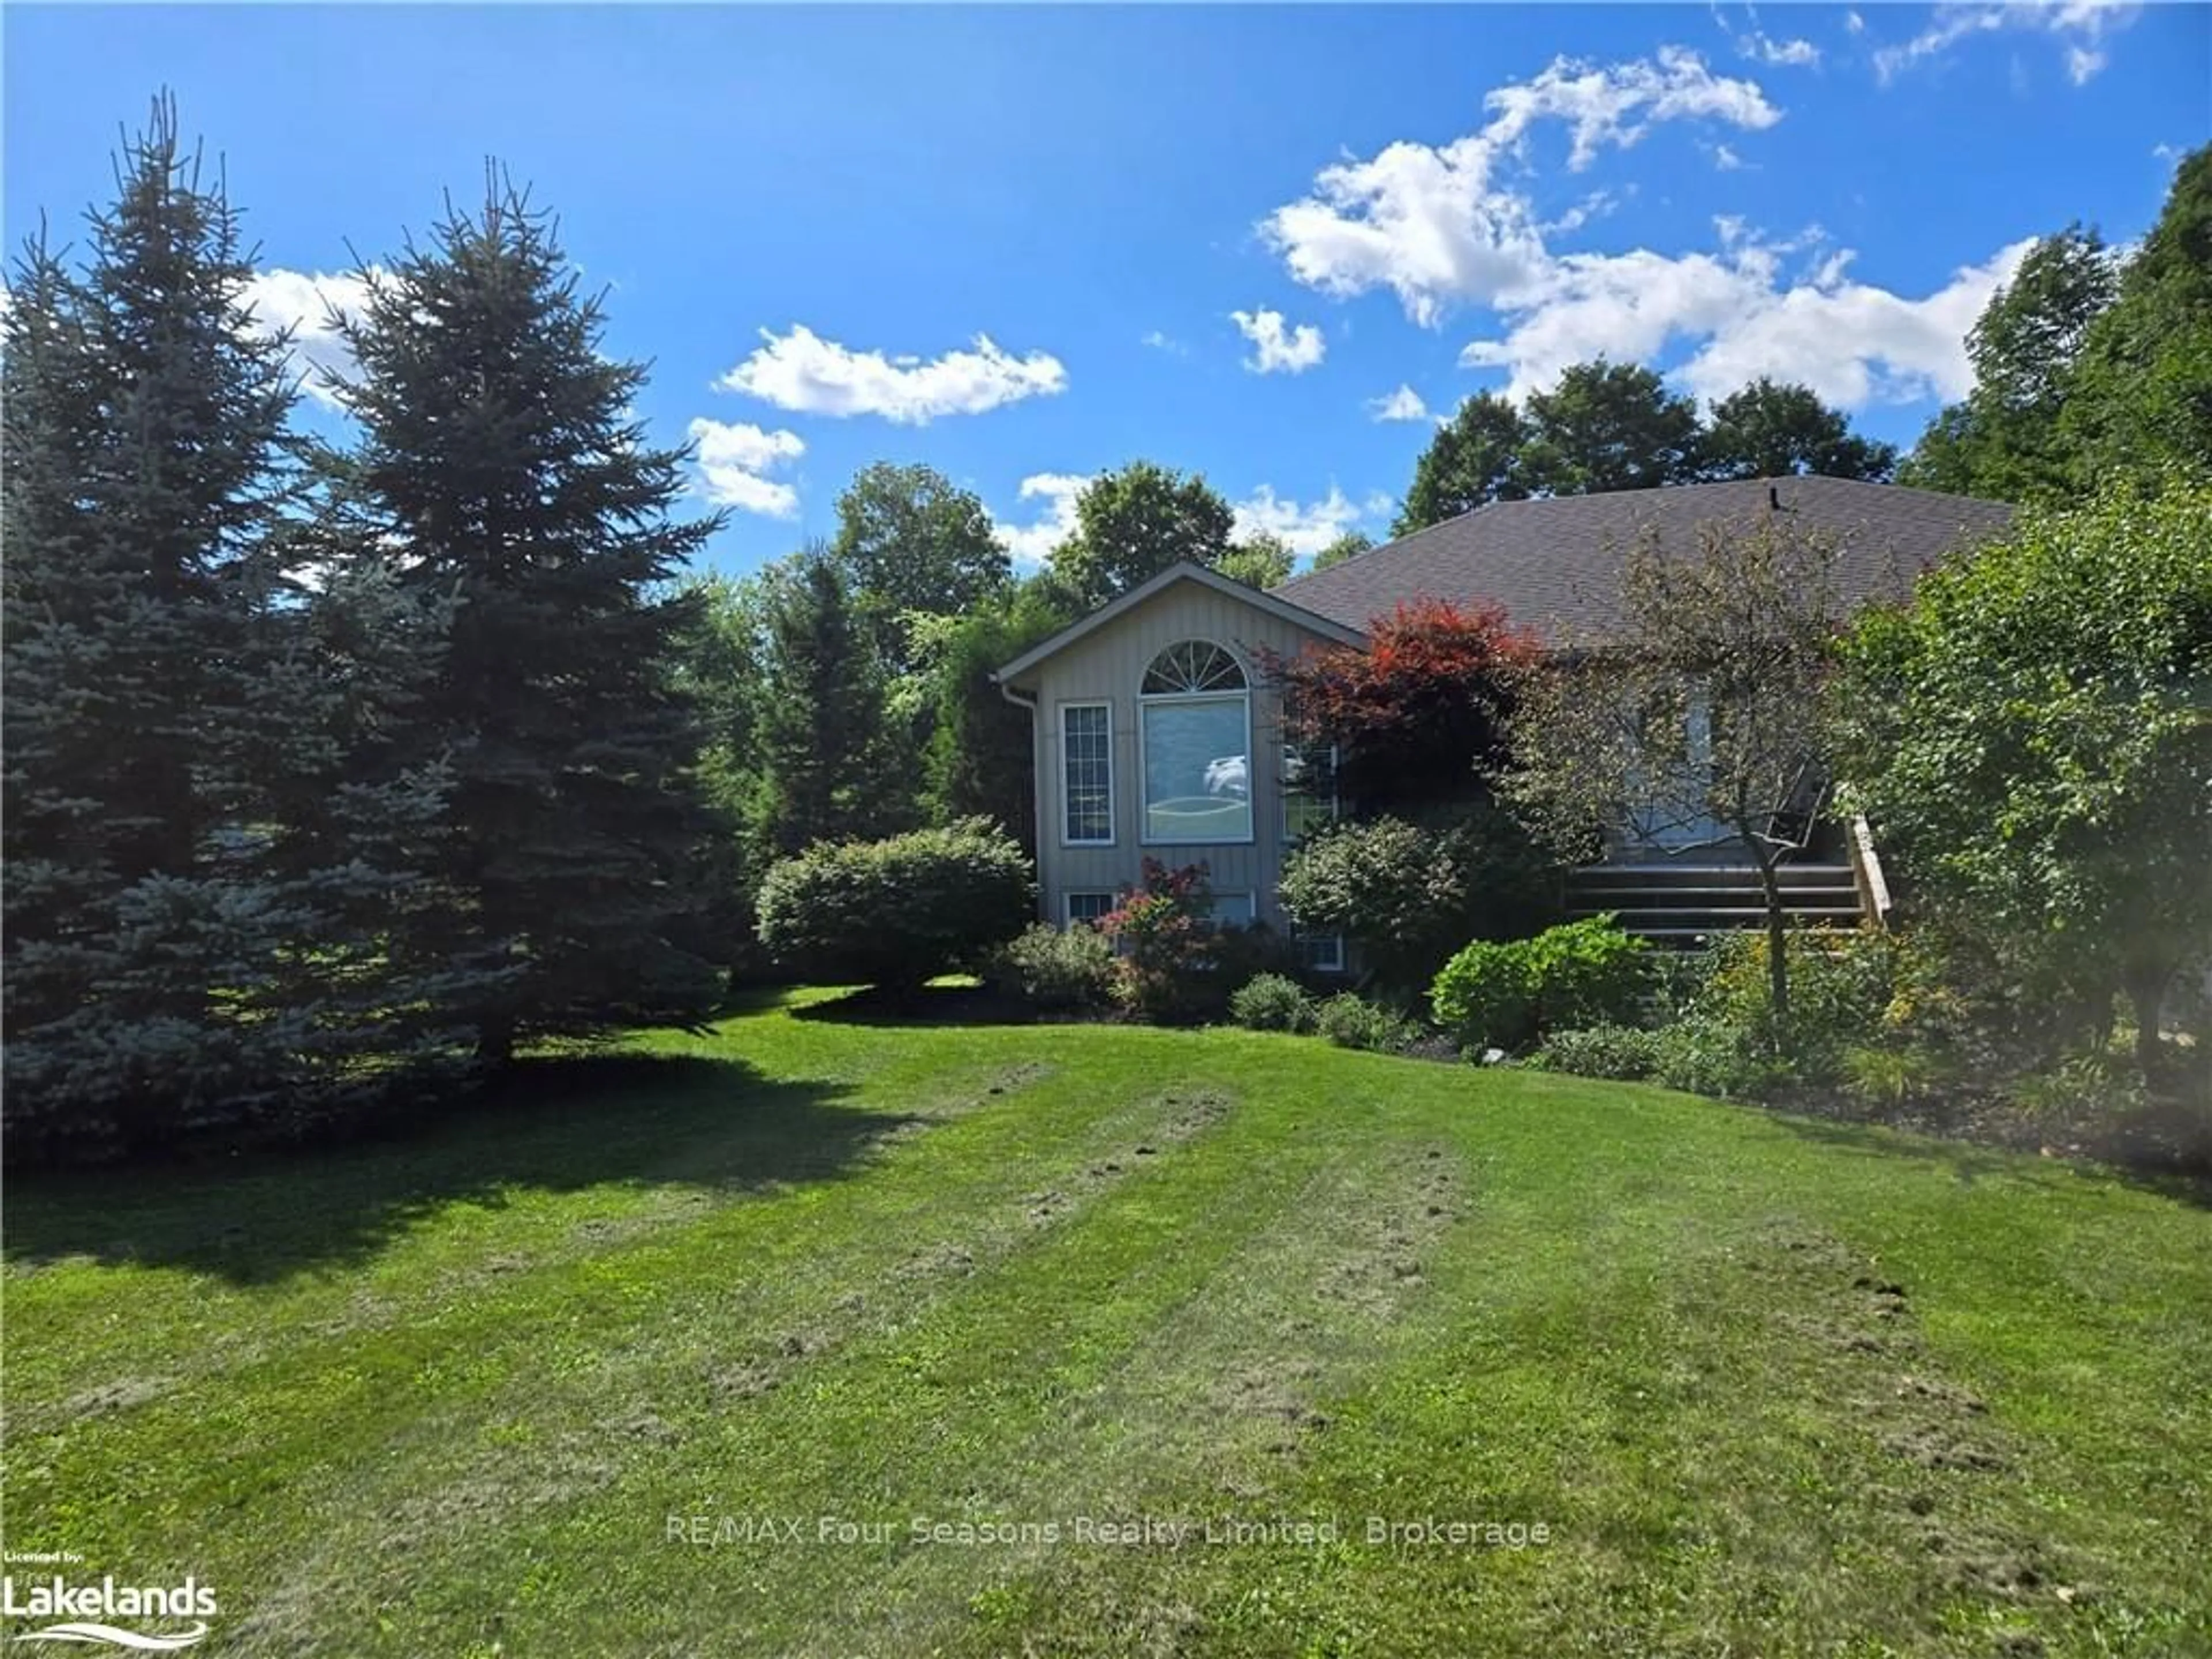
<point>1108,666</point>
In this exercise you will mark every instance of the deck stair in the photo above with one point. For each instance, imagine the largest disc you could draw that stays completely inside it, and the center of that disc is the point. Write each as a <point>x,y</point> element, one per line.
<point>1677,904</point>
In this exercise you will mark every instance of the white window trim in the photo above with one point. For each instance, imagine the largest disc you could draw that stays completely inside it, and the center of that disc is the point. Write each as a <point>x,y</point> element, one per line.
<point>1335,964</point>
<point>1068,916</point>
<point>1144,836</point>
<point>1250,898</point>
<point>1062,791</point>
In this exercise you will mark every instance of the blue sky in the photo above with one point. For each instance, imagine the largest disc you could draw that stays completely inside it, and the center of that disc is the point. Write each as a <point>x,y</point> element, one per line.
<point>1229,239</point>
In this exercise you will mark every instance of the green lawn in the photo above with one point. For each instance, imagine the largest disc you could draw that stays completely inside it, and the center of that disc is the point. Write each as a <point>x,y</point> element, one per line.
<point>1770,1388</point>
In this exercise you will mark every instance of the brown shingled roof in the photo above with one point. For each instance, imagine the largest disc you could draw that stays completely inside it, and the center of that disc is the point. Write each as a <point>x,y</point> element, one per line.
<point>1555,564</point>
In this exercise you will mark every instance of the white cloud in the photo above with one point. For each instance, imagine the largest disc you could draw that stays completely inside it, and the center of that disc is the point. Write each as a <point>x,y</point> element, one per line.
<point>1425,224</point>
<point>1853,23</point>
<point>1403,404</point>
<point>2082,62</point>
<point>1277,349</point>
<point>1595,205</point>
<point>734,460</point>
<point>1852,343</point>
<point>1305,529</point>
<point>801,371</point>
<point>280,299</point>
<point>1764,48</point>
<point>1032,543</point>
<point>1438,227</point>
<point>1602,105</point>
<point>1790,54</point>
<point>2081,23</point>
<point>1160,342</point>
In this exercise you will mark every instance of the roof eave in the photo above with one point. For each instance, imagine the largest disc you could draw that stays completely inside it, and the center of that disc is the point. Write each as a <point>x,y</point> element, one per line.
<point>1182,570</point>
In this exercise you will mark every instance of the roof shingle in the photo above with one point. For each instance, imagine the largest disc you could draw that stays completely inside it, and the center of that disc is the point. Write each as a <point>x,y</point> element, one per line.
<point>1554,564</point>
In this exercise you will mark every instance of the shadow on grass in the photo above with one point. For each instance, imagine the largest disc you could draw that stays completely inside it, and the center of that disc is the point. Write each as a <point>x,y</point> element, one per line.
<point>1970,1161</point>
<point>556,1125</point>
<point>927,1004</point>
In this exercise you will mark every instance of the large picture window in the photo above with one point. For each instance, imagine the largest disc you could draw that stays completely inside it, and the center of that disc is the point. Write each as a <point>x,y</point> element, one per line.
<point>1087,766</point>
<point>1197,714</point>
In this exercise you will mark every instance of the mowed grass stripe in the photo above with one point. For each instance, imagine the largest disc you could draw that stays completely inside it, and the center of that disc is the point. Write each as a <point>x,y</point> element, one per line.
<point>452,1411</point>
<point>1224,1389</point>
<point>645,1377</point>
<point>324,1401</point>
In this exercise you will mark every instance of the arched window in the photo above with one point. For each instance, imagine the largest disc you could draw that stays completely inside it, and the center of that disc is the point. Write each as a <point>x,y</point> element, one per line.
<point>1196,709</point>
<point>1193,665</point>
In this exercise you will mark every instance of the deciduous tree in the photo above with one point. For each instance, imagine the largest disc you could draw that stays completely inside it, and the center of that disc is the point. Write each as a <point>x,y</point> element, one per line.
<point>911,542</point>
<point>2005,440</point>
<point>1774,428</point>
<point>1349,544</point>
<point>1609,426</point>
<point>1260,561</point>
<point>2033,732</point>
<point>1705,708</point>
<point>983,759</point>
<point>1135,522</point>
<point>1476,456</point>
<point>1416,714</point>
<point>2142,399</point>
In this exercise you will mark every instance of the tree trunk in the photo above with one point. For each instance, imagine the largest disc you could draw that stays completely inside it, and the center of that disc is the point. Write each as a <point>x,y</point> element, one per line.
<point>1777,941</point>
<point>495,1042</point>
<point>2145,984</point>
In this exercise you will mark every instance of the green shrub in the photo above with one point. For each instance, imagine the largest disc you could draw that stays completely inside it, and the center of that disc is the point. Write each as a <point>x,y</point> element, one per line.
<point>1700,1055</point>
<point>2097,1083</point>
<point>1271,1002</point>
<point>1842,986</point>
<point>1055,968</point>
<point>897,913</point>
<point>1623,1052</point>
<point>1236,955</point>
<point>1482,996</point>
<point>1408,894</point>
<point>1502,995</point>
<point>1889,1077</point>
<point>1349,1021</point>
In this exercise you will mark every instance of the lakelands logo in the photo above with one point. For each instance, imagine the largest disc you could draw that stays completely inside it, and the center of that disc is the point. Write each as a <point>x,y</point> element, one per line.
<point>86,1609</point>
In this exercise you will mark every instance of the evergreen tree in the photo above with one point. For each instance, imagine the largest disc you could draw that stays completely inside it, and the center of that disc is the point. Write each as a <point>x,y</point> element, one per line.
<point>823,732</point>
<point>143,466</point>
<point>500,463</point>
<point>982,762</point>
<point>204,852</point>
<point>718,667</point>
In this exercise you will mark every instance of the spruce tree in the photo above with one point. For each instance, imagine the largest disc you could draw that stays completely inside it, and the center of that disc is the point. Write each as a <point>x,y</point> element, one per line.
<point>204,846</point>
<point>501,462</point>
<point>145,467</point>
<point>827,755</point>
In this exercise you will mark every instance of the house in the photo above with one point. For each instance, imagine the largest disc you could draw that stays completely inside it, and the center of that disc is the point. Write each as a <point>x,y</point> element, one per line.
<point>1156,737</point>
